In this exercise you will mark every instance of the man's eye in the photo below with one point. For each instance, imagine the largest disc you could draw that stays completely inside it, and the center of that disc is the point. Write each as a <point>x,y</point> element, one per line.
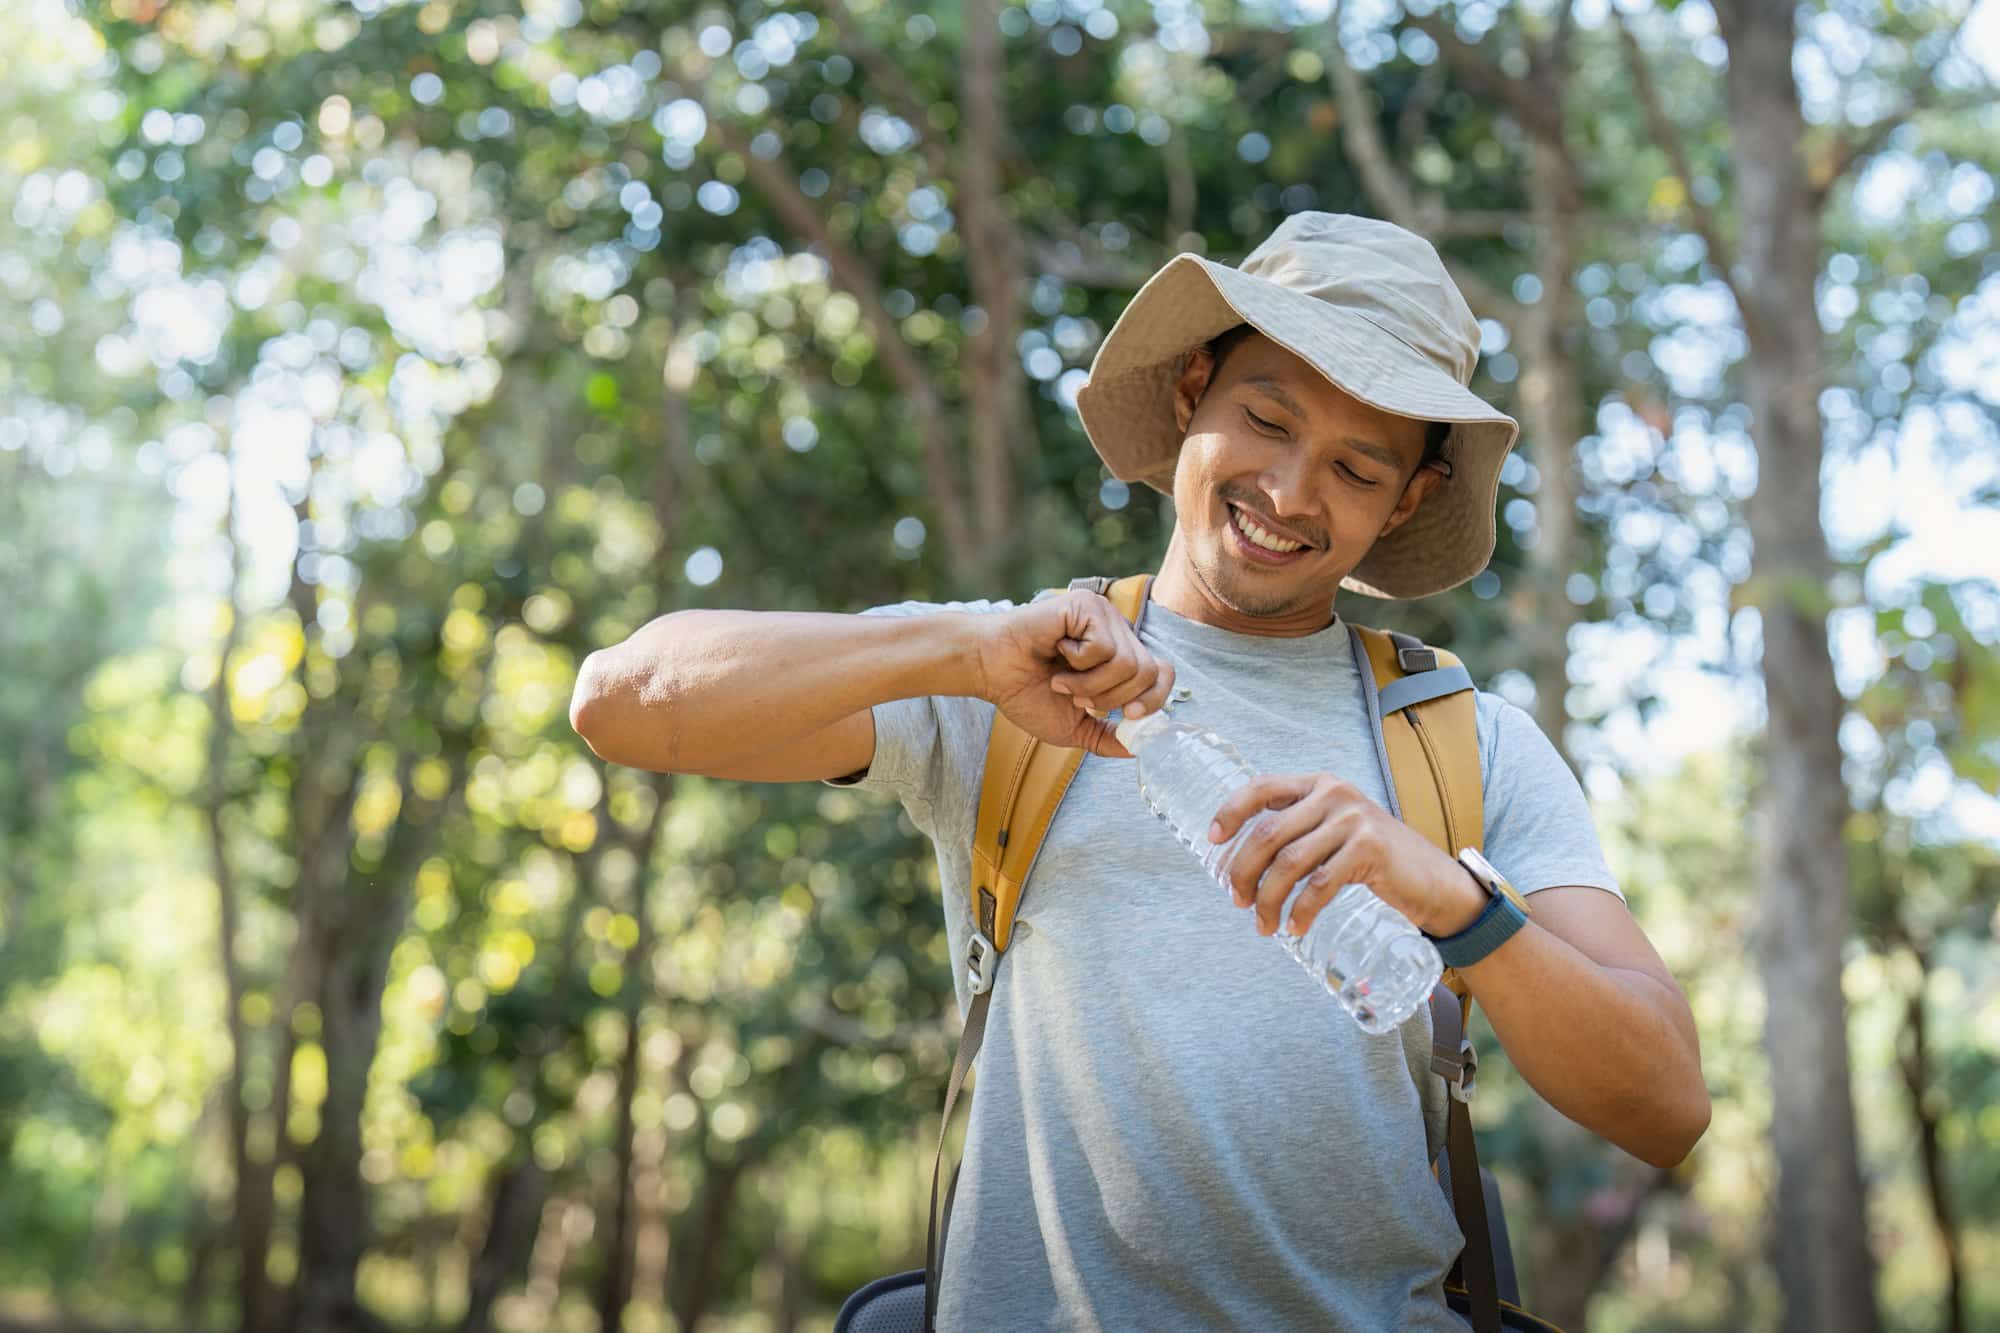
<point>1260,423</point>
<point>1349,474</point>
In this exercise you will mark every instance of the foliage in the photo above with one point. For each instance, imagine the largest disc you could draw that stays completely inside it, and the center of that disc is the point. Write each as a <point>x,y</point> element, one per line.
<point>373,364</point>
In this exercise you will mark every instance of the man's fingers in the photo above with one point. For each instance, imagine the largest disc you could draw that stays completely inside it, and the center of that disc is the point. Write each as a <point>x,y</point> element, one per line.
<point>1101,738</point>
<point>1266,791</point>
<point>1125,676</point>
<point>1317,889</point>
<point>1096,683</point>
<point>1267,857</point>
<point>1294,861</point>
<point>1154,697</point>
<point>1126,693</point>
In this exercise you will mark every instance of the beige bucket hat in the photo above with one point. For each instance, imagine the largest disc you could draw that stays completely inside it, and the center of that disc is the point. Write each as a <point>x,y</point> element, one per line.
<point>1371,307</point>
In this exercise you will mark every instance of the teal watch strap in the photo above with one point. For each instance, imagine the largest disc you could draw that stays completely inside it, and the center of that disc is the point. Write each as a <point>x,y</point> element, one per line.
<point>1493,928</point>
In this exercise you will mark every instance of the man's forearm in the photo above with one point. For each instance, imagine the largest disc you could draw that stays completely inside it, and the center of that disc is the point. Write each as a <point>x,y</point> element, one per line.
<point>700,688</point>
<point>1612,1048</point>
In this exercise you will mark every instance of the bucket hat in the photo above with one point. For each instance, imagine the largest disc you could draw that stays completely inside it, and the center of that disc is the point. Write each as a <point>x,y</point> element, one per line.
<point>1371,307</point>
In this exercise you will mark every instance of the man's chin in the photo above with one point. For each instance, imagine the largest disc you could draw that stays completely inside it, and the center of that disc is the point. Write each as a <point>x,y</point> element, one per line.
<point>1236,593</point>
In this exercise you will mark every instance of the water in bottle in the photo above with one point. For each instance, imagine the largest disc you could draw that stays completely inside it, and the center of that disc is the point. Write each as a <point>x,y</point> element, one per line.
<point>1361,949</point>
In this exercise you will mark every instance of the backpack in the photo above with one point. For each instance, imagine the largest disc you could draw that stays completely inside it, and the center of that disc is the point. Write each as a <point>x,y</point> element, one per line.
<point>1421,708</point>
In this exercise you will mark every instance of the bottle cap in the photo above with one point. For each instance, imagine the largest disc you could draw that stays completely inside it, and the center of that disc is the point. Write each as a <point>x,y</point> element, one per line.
<point>1127,729</point>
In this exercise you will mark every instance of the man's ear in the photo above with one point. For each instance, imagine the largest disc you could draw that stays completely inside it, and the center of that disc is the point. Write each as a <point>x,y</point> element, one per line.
<point>1415,493</point>
<point>1193,383</point>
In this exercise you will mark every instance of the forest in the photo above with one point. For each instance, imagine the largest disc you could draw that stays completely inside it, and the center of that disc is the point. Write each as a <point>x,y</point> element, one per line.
<point>368,364</point>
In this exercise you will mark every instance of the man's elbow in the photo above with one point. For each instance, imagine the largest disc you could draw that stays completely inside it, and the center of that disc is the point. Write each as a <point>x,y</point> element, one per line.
<point>590,703</point>
<point>1678,1136</point>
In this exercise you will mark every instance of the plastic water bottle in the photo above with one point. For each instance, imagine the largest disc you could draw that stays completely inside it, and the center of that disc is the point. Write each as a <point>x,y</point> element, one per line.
<point>1361,949</point>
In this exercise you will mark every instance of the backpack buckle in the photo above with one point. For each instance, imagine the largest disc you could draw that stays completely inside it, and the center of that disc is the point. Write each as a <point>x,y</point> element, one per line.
<point>1467,1081</point>
<point>1459,1070</point>
<point>1419,658</point>
<point>980,957</point>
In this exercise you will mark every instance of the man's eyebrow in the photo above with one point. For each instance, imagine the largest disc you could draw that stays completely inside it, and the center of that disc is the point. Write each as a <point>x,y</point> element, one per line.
<point>1381,453</point>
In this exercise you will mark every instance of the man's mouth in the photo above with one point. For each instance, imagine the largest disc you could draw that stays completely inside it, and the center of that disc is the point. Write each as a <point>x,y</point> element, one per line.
<point>1258,543</point>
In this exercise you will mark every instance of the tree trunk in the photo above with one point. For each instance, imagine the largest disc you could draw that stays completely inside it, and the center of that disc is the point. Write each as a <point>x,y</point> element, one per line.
<point>621,1238</point>
<point>252,1184</point>
<point>697,1250</point>
<point>1823,1261</point>
<point>518,1200</point>
<point>521,1189</point>
<point>996,387</point>
<point>1916,1066</point>
<point>1551,399</point>
<point>333,1209</point>
<point>363,923</point>
<point>614,1292</point>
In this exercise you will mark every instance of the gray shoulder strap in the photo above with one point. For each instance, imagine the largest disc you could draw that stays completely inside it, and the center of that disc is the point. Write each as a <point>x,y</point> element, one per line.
<point>1363,669</point>
<point>1424,686</point>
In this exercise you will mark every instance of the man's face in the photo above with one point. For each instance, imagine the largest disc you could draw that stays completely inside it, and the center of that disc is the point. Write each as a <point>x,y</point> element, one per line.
<point>1275,455</point>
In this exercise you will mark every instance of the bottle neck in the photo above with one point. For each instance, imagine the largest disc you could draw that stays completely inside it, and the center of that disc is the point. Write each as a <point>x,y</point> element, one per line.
<point>1137,732</point>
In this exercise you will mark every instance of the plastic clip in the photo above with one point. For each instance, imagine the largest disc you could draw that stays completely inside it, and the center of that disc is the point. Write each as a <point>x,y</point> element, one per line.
<point>1420,658</point>
<point>980,956</point>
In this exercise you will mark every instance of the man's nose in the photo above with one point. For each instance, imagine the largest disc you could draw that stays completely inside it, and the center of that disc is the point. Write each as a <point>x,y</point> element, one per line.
<point>1288,486</point>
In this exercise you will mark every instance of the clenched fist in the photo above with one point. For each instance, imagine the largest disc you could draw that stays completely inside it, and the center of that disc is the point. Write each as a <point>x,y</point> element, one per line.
<point>1051,664</point>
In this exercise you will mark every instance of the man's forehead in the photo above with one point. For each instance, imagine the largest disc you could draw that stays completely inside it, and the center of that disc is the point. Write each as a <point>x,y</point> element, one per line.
<point>1263,359</point>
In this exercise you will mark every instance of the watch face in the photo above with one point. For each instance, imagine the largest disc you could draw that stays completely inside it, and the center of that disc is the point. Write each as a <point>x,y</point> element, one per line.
<point>1480,867</point>
<point>1497,884</point>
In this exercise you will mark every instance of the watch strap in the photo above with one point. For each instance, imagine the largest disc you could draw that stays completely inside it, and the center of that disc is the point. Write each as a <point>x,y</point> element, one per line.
<point>1493,928</point>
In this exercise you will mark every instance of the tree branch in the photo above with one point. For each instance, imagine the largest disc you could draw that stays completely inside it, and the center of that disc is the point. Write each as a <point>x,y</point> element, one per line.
<point>1553,55</point>
<point>1849,150</point>
<point>888,78</point>
<point>1924,98</point>
<point>1068,261</point>
<point>1387,186</point>
<point>1668,136</point>
<point>996,385</point>
<point>1524,99</point>
<point>775,180</point>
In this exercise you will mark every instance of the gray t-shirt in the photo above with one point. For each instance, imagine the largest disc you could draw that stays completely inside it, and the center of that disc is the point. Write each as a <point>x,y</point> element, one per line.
<point>1174,1126</point>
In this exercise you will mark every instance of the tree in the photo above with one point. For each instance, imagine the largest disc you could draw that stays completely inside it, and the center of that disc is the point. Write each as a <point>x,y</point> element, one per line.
<point>1820,1222</point>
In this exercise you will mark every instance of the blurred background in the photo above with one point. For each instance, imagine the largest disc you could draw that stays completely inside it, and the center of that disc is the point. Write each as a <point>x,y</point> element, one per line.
<point>364,365</point>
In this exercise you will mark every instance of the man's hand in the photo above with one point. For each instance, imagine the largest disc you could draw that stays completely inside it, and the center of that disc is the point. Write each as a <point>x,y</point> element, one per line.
<point>1048,664</point>
<point>1325,831</point>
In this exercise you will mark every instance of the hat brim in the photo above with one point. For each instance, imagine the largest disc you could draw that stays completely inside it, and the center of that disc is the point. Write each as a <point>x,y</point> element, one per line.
<point>1127,408</point>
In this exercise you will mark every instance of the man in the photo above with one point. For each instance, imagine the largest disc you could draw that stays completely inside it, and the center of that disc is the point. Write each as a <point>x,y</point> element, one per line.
<point>1175,1128</point>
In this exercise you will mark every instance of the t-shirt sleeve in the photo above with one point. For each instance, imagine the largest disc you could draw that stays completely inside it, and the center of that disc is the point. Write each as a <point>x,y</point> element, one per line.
<point>1539,832</point>
<point>913,737</point>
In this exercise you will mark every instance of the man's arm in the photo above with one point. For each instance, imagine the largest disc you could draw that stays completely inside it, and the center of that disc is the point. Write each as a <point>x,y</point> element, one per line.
<point>1592,1018</point>
<point>769,696</point>
<point>784,696</point>
<point>1583,1005</point>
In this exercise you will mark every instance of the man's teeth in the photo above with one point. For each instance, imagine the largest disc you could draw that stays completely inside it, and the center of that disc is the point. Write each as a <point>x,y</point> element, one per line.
<point>1263,537</point>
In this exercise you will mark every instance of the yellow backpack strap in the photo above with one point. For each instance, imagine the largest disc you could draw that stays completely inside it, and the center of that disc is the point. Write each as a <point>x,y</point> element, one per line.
<point>1024,783</point>
<point>1424,712</point>
<point>1423,709</point>
<point>1427,737</point>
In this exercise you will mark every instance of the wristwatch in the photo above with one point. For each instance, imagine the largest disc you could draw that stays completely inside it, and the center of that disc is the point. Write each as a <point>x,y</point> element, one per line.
<point>1505,913</point>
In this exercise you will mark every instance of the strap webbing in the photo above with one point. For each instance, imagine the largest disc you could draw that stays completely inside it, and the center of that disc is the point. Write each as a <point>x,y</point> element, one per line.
<point>1423,687</point>
<point>969,1042</point>
<point>1468,1197</point>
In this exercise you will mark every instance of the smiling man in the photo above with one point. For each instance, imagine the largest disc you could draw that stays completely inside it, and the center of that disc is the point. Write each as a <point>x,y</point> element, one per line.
<point>1344,473</point>
<point>1175,1127</point>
